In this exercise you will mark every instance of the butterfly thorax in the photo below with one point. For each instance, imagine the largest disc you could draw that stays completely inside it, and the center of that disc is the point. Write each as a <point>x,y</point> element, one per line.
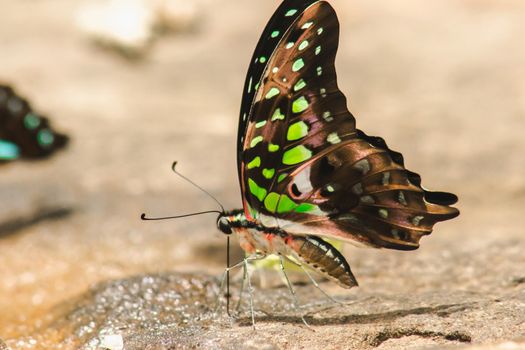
<point>307,250</point>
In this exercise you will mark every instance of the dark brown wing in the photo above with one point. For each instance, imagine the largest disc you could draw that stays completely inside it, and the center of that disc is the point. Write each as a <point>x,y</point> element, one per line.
<point>23,132</point>
<point>307,169</point>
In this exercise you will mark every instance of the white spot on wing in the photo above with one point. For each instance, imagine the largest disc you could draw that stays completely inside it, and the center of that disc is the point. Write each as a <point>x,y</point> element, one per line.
<point>302,181</point>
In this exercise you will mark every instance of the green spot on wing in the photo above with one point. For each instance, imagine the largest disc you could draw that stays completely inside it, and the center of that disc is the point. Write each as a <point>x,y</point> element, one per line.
<point>297,131</point>
<point>273,148</point>
<point>275,33</point>
<point>262,59</point>
<point>318,50</point>
<point>45,138</point>
<point>8,150</point>
<point>307,25</point>
<point>272,93</point>
<point>290,13</point>
<point>271,202</point>
<point>281,177</point>
<point>303,45</point>
<point>300,105</point>
<point>297,65</point>
<point>333,138</point>
<point>277,115</point>
<point>286,204</point>
<point>328,116</point>
<point>260,124</point>
<point>255,142</point>
<point>268,173</point>
<point>257,191</point>
<point>296,155</point>
<point>300,85</point>
<point>255,163</point>
<point>290,45</point>
<point>280,203</point>
<point>31,121</point>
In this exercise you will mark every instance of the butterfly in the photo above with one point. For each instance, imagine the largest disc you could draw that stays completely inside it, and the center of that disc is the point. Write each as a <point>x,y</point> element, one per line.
<point>23,132</point>
<point>306,173</point>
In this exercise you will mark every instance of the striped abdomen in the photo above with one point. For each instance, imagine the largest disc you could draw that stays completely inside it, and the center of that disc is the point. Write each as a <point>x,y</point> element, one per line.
<point>324,258</point>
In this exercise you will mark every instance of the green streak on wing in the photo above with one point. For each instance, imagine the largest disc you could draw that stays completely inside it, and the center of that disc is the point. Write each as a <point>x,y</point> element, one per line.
<point>307,208</point>
<point>299,105</point>
<point>257,191</point>
<point>256,141</point>
<point>281,177</point>
<point>300,84</point>
<point>260,124</point>
<point>296,155</point>
<point>297,131</point>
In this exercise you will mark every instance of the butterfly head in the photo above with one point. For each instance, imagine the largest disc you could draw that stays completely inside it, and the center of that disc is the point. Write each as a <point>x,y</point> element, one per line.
<point>228,221</point>
<point>224,224</point>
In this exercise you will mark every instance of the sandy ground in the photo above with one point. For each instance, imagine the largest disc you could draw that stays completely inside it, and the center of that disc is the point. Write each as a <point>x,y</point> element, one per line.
<point>441,81</point>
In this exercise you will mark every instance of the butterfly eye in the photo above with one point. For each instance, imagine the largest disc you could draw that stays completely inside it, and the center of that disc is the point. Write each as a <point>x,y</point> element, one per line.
<point>224,225</point>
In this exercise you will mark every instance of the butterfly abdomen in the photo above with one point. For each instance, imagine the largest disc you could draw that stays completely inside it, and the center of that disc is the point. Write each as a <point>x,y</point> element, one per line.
<point>324,258</point>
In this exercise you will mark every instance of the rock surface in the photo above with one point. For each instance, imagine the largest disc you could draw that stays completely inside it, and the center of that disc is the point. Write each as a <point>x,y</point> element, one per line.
<point>441,81</point>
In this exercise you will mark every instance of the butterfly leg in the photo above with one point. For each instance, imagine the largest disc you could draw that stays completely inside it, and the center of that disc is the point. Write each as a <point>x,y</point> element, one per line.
<point>253,257</point>
<point>314,282</point>
<point>243,263</point>
<point>223,280</point>
<point>250,291</point>
<point>290,288</point>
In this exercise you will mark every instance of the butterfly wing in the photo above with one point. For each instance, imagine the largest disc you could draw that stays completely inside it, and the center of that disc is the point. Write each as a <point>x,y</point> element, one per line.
<point>24,133</point>
<point>304,166</point>
<point>278,26</point>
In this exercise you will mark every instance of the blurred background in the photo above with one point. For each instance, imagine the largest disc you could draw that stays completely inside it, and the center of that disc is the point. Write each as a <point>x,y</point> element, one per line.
<point>442,81</point>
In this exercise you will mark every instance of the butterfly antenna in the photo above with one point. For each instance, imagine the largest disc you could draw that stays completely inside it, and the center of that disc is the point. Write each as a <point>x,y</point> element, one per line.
<point>143,216</point>
<point>173,167</point>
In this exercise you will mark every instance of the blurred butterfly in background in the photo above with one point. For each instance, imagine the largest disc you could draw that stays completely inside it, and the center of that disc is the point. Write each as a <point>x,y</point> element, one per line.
<point>24,134</point>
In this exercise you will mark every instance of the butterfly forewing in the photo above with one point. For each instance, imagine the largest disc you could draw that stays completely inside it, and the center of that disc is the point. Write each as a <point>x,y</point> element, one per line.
<point>305,168</point>
<point>298,109</point>
<point>272,36</point>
